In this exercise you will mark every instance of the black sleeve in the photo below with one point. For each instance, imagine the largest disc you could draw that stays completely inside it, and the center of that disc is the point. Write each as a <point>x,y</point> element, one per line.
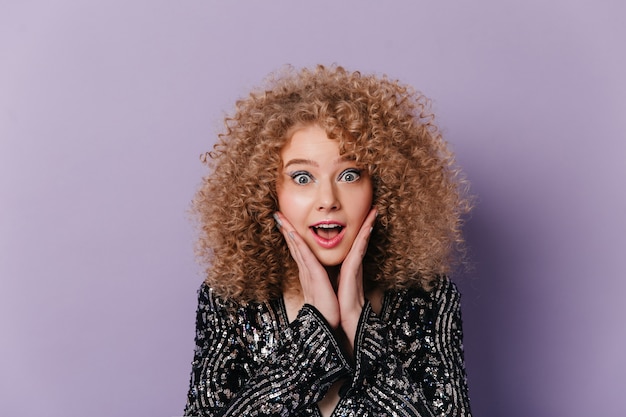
<point>226,381</point>
<point>410,362</point>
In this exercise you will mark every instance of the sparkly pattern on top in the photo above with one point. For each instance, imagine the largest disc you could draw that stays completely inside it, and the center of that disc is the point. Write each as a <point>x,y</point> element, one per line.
<point>250,361</point>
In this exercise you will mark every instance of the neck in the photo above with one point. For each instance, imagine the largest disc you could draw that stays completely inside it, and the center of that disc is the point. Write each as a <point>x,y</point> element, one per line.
<point>333,275</point>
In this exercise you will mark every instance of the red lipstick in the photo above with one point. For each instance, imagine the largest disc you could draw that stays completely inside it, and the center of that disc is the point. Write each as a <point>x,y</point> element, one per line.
<point>328,233</point>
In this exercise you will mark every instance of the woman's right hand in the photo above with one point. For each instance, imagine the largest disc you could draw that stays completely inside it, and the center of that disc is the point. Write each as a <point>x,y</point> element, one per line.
<point>316,286</point>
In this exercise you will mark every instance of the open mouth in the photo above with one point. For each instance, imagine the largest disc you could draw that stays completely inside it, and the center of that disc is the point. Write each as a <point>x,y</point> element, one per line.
<point>327,231</point>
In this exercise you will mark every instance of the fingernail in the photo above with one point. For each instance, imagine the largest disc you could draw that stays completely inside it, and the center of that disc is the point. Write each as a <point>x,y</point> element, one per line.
<point>291,235</point>
<point>371,230</point>
<point>278,222</point>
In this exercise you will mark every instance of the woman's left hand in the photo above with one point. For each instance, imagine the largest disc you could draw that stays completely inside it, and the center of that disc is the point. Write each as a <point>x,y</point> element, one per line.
<point>350,292</point>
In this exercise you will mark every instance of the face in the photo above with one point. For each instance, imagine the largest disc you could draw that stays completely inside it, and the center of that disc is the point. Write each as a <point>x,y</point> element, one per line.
<point>324,195</point>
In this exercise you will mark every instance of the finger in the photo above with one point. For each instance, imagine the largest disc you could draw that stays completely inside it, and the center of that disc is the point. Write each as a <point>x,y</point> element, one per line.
<point>350,290</point>
<point>300,251</point>
<point>359,247</point>
<point>287,231</point>
<point>313,277</point>
<point>366,231</point>
<point>316,286</point>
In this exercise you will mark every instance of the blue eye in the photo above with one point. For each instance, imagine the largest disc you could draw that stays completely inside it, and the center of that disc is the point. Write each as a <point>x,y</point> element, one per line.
<point>350,175</point>
<point>301,177</point>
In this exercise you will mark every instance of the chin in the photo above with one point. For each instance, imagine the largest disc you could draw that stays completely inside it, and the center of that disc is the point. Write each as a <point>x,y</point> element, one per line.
<point>330,261</point>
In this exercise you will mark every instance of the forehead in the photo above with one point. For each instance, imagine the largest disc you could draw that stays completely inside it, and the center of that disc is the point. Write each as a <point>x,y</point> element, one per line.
<point>310,141</point>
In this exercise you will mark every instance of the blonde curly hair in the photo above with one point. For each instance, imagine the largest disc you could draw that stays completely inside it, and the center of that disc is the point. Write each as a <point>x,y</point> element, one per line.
<point>388,127</point>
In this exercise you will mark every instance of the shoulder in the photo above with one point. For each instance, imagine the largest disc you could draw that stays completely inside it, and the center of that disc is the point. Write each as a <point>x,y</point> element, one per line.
<point>211,302</point>
<point>213,307</point>
<point>445,291</point>
<point>257,324</point>
<point>418,301</point>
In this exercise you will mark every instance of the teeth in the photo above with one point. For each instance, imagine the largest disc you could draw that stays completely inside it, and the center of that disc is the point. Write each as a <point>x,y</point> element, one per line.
<point>327,226</point>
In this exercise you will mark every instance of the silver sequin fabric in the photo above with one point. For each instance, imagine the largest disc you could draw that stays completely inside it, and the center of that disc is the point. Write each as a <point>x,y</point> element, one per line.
<point>408,361</point>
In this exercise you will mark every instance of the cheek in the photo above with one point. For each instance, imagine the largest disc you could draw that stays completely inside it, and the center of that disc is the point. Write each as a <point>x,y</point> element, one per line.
<point>364,199</point>
<point>366,206</point>
<point>294,206</point>
<point>288,200</point>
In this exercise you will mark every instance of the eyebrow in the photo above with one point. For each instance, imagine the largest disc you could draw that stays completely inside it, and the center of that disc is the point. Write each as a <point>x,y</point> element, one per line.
<point>302,161</point>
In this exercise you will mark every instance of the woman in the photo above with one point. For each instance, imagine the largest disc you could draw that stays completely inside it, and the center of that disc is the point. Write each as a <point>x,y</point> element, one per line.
<point>329,223</point>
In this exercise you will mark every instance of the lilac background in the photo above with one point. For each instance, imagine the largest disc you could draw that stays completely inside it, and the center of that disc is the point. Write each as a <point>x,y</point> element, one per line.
<point>106,106</point>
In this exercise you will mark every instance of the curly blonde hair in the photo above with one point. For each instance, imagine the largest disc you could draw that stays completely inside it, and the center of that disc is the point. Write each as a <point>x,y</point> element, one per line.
<point>388,127</point>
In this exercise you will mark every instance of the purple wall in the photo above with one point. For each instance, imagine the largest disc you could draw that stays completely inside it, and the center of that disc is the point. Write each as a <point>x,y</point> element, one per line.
<point>105,108</point>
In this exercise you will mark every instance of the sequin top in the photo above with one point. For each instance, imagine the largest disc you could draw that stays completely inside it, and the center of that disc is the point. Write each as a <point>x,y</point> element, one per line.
<point>408,360</point>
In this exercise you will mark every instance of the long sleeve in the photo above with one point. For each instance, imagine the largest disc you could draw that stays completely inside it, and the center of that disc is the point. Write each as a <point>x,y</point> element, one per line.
<point>409,360</point>
<point>244,365</point>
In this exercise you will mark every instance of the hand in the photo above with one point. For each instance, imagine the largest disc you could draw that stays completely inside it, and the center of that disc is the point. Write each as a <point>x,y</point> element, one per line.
<point>343,308</point>
<point>316,286</point>
<point>350,292</point>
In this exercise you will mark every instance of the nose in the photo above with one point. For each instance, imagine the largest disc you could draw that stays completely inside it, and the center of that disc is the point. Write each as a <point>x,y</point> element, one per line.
<point>328,198</point>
